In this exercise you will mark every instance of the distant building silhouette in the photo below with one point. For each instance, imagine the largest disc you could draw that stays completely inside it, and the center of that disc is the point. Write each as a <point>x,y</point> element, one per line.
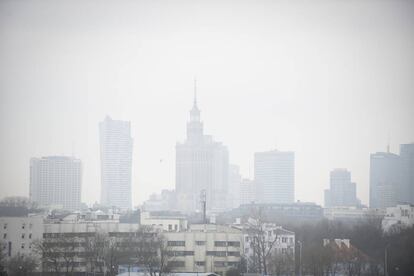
<point>201,165</point>
<point>56,181</point>
<point>116,163</point>
<point>385,180</point>
<point>247,191</point>
<point>341,192</point>
<point>407,181</point>
<point>233,200</point>
<point>274,173</point>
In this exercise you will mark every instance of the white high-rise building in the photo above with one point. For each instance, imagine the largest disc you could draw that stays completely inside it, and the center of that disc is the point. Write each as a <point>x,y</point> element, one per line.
<point>56,181</point>
<point>116,163</point>
<point>202,167</point>
<point>274,173</point>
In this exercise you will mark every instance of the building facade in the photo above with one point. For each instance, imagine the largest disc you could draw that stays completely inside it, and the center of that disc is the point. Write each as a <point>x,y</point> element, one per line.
<point>352,213</point>
<point>116,146</point>
<point>247,191</point>
<point>18,234</point>
<point>274,173</point>
<point>385,180</point>
<point>56,181</point>
<point>205,248</point>
<point>400,216</point>
<point>202,169</point>
<point>341,192</point>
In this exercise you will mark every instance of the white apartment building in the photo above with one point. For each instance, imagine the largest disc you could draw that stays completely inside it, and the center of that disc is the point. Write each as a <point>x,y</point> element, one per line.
<point>278,241</point>
<point>17,234</point>
<point>399,216</point>
<point>76,235</point>
<point>56,181</point>
<point>205,248</point>
<point>274,174</point>
<point>116,163</point>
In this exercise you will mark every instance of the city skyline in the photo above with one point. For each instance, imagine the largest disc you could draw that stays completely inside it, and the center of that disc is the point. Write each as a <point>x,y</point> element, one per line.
<point>328,83</point>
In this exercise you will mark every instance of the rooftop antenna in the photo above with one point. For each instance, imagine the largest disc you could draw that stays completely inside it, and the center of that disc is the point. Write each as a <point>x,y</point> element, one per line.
<point>195,91</point>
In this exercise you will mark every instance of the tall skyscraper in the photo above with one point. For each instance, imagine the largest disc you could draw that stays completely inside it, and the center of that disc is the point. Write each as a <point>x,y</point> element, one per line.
<point>274,173</point>
<point>116,163</point>
<point>341,192</point>
<point>407,181</point>
<point>56,181</point>
<point>202,166</point>
<point>385,180</point>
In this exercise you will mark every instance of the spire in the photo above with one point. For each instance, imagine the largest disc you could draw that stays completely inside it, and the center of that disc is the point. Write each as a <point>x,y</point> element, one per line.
<point>195,92</point>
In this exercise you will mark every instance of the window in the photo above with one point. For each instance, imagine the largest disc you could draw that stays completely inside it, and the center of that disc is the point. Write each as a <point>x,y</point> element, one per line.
<point>220,243</point>
<point>217,253</point>
<point>175,227</point>
<point>22,246</point>
<point>219,264</point>
<point>233,253</point>
<point>234,264</point>
<point>23,225</point>
<point>284,239</point>
<point>23,236</point>
<point>5,226</point>
<point>176,243</point>
<point>200,243</point>
<point>181,253</point>
<point>30,235</point>
<point>30,226</point>
<point>246,239</point>
<point>176,264</point>
<point>169,227</point>
<point>4,236</point>
<point>233,243</point>
<point>200,263</point>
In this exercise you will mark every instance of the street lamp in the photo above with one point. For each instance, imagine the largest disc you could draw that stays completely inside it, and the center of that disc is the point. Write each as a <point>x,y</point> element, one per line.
<point>300,258</point>
<point>386,260</point>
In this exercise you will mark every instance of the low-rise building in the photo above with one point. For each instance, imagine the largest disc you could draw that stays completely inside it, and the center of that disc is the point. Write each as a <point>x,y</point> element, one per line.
<point>204,248</point>
<point>276,241</point>
<point>351,213</point>
<point>400,216</point>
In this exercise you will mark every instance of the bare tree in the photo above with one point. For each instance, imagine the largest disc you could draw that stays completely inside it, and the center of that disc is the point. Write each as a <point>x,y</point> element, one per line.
<point>58,253</point>
<point>281,264</point>
<point>150,250</point>
<point>21,265</point>
<point>261,241</point>
<point>94,245</point>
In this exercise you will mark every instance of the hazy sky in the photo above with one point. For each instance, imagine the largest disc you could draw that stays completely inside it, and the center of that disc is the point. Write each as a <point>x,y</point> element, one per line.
<point>330,80</point>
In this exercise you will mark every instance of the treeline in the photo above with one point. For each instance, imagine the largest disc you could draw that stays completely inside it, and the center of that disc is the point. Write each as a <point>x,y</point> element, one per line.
<point>367,255</point>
